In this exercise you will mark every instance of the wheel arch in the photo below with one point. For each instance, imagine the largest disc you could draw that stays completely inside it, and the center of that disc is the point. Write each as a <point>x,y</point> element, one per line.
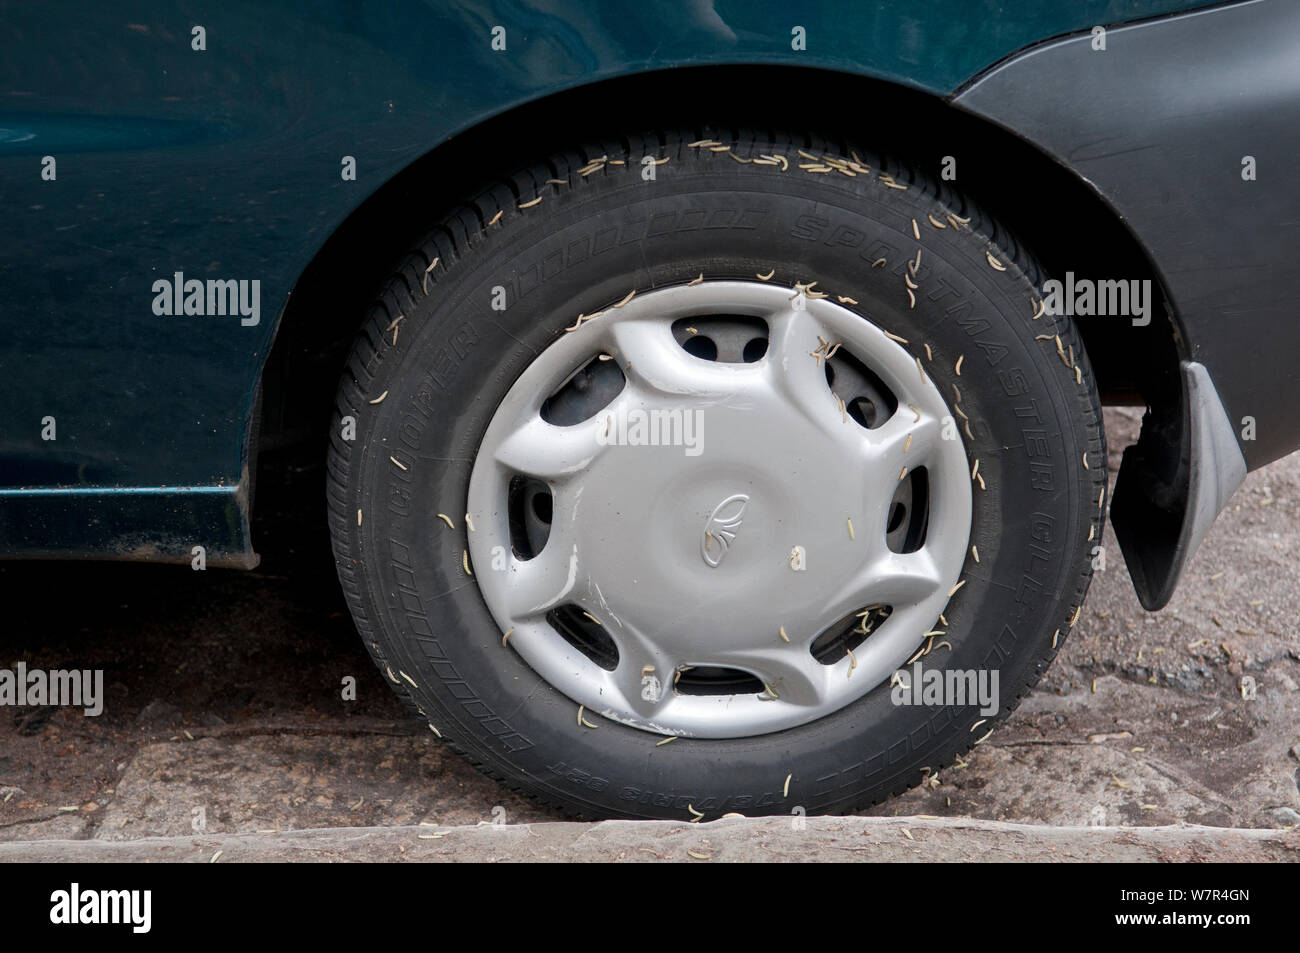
<point>1066,223</point>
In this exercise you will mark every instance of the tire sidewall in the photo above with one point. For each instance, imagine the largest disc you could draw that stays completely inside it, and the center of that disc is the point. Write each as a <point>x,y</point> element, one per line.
<point>457,356</point>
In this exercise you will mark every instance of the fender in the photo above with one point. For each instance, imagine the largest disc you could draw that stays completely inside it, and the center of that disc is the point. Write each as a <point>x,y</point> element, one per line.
<point>1188,127</point>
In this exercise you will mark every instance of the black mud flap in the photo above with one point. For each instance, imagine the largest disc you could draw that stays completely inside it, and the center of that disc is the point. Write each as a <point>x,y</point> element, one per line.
<point>1172,485</point>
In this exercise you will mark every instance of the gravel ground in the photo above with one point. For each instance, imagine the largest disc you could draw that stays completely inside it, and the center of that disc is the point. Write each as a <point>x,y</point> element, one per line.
<point>223,719</point>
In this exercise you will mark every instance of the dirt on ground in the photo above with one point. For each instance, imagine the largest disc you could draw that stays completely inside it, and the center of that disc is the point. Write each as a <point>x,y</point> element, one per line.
<point>223,713</point>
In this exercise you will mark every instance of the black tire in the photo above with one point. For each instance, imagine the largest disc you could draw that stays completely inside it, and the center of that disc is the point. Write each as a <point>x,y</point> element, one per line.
<point>444,359</point>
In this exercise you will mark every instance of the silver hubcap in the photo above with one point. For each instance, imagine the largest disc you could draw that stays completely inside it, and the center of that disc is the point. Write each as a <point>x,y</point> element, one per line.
<point>649,557</point>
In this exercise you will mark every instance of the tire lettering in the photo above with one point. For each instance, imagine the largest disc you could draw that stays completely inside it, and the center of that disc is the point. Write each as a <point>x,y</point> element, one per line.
<point>808,228</point>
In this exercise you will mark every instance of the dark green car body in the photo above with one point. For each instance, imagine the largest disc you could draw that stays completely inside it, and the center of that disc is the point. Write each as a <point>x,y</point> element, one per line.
<point>224,163</point>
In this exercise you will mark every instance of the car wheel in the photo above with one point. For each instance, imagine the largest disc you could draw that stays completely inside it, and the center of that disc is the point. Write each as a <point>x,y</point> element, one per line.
<point>678,462</point>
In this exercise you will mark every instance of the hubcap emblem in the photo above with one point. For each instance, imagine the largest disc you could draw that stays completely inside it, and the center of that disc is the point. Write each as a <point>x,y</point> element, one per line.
<point>721,527</point>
